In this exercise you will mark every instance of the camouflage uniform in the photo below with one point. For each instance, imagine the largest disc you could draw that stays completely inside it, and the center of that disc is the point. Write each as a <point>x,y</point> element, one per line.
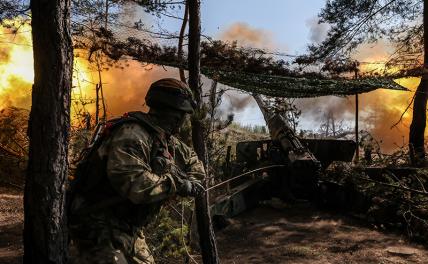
<point>107,224</point>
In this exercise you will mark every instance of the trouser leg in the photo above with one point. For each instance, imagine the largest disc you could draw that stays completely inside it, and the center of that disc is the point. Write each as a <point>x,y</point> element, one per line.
<point>142,254</point>
<point>100,254</point>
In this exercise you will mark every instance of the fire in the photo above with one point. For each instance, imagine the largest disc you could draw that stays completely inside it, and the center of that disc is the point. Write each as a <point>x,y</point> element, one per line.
<point>124,90</point>
<point>411,84</point>
<point>17,72</point>
<point>16,67</point>
<point>382,109</point>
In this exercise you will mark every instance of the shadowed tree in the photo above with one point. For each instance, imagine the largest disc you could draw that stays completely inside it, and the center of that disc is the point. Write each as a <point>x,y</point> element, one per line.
<point>45,225</point>
<point>206,234</point>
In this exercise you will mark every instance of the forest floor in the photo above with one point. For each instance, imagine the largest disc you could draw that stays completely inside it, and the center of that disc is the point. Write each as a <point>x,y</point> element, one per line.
<point>297,234</point>
<point>11,225</point>
<point>305,234</point>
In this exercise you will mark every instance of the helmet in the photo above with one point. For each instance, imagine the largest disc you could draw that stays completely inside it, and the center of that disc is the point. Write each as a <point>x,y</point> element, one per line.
<point>170,93</point>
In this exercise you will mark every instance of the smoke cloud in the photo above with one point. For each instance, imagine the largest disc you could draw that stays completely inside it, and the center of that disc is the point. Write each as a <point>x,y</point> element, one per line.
<point>247,36</point>
<point>379,111</point>
<point>126,89</point>
<point>317,31</point>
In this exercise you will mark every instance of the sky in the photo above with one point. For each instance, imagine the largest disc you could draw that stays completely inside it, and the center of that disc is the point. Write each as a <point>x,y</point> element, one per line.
<point>282,25</point>
<point>286,20</point>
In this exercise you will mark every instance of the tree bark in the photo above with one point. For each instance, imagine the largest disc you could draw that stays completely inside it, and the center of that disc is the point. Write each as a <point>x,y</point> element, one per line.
<point>207,240</point>
<point>45,224</point>
<point>417,128</point>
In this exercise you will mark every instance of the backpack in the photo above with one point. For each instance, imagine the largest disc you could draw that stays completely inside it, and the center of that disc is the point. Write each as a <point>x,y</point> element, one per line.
<point>80,183</point>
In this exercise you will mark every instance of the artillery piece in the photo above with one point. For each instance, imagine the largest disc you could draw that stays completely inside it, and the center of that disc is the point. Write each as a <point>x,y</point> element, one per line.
<point>292,167</point>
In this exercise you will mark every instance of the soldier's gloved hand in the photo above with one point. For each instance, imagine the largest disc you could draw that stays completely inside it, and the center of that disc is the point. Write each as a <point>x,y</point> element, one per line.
<point>190,188</point>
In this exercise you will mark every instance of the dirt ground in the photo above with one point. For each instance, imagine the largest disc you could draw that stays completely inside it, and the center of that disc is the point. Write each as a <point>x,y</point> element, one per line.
<point>11,224</point>
<point>304,234</point>
<point>301,234</point>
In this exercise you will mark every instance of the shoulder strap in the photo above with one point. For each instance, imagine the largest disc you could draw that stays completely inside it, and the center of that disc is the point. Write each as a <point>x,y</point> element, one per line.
<point>156,132</point>
<point>144,120</point>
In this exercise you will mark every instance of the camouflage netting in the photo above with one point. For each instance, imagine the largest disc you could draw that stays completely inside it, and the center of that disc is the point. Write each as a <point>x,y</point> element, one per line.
<point>299,87</point>
<point>247,69</point>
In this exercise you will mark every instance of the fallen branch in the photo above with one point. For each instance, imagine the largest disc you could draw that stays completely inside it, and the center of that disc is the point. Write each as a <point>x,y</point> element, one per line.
<point>10,152</point>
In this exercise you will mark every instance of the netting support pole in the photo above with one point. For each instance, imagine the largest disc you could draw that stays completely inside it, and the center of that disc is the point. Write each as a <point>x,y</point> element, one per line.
<point>357,149</point>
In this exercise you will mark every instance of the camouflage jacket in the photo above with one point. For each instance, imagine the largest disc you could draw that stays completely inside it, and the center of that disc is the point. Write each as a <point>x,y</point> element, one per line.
<point>124,169</point>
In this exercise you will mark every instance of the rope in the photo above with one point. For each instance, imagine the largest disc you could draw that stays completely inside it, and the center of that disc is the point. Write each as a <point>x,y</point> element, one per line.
<point>245,174</point>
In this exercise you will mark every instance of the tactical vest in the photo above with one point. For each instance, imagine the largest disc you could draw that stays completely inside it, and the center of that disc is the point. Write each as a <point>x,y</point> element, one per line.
<point>90,176</point>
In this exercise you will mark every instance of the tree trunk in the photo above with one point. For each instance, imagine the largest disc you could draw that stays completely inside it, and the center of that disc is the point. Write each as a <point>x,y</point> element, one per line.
<point>97,103</point>
<point>45,225</point>
<point>357,145</point>
<point>181,40</point>
<point>206,233</point>
<point>417,128</point>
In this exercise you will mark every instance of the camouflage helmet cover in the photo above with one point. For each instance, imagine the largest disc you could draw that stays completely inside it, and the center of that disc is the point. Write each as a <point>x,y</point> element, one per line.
<point>172,93</point>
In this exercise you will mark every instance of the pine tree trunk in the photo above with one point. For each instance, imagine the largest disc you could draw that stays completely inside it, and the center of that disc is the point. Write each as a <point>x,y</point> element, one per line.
<point>45,225</point>
<point>206,233</point>
<point>181,40</point>
<point>417,128</point>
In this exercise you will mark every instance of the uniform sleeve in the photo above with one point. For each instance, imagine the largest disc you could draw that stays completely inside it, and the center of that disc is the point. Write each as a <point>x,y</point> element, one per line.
<point>193,166</point>
<point>128,167</point>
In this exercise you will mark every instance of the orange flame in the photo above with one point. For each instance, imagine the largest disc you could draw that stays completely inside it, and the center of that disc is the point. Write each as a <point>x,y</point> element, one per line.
<point>124,87</point>
<point>16,68</point>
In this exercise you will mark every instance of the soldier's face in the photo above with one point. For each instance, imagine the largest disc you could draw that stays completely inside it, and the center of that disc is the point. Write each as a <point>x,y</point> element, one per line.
<point>174,120</point>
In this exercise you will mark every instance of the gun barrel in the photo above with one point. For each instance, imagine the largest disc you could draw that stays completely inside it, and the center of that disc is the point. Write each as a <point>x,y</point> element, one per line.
<point>280,131</point>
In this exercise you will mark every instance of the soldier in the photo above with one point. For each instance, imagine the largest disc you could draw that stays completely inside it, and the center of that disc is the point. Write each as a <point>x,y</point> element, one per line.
<point>136,168</point>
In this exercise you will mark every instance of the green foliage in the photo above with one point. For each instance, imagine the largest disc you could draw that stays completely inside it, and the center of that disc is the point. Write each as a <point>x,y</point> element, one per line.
<point>12,9</point>
<point>286,108</point>
<point>165,235</point>
<point>157,6</point>
<point>251,129</point>
<point>382,199</point>
<point>359,21</point>
<point>229,57</point>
